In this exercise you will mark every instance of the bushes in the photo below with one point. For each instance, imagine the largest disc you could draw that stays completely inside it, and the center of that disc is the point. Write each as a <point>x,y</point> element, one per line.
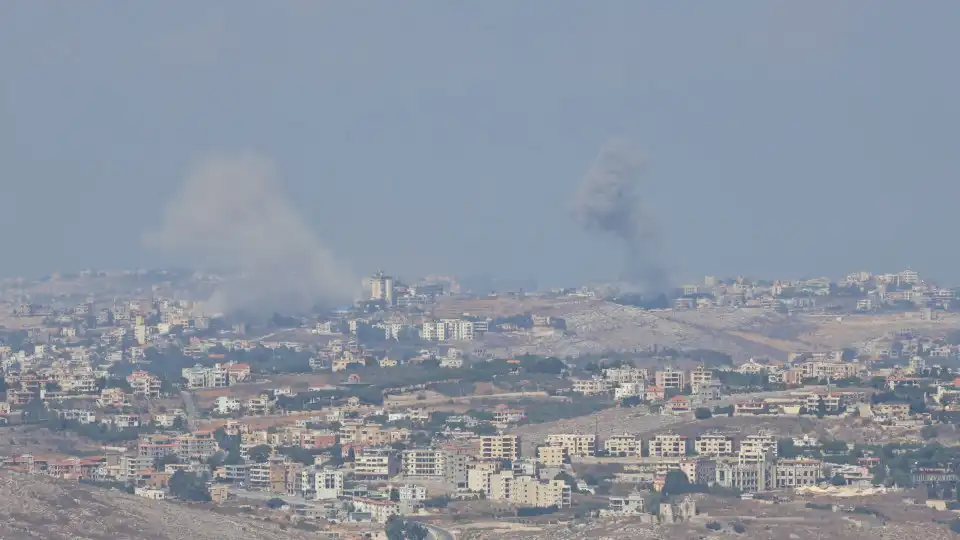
<point>714,526</point>
<point>702,413</point>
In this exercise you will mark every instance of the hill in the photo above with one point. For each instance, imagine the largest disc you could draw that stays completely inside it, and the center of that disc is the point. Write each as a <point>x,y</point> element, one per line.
<point>42,507</point>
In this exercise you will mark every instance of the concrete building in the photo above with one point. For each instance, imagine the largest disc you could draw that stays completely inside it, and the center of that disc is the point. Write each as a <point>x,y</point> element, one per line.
<point>713,445</point>
<point>576,445</point>
<point>668,445</point>
<point>623,445</point>
<point>499,447</point>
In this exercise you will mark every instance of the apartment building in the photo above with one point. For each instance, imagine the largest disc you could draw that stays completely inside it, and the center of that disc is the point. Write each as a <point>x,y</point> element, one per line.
<point>623,445</point>
<point>552,455</point>
<point>625,375</point>
<point>144,384</point>
<point>701,378</point>
<point>714,445</point>
<point>321,483</point>
<point>499,447</point>
<point>449,466</point>
<point>668,445</point>
<point>373,463</point>
<point>200,445</point>
<point>528,491</point>
<point>757,447</point>
<point>747,477</point>
<point>591,387</point>
<point>794,473</point>
<point>670,379</point>
<point>575,445</point>
<point>834,370</point>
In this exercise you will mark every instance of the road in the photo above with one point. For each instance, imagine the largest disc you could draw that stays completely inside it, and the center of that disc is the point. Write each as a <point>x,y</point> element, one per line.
<point>436,533</point>
<point>190,408</point>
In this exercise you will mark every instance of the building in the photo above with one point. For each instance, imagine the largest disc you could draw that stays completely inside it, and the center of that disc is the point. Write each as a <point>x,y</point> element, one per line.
<point>382,288</point>
<point>701,378</point>
<point>322,484</point>
<point>499,447</point>
<point>756,447</point>
<point>668,445</point>
<point>552,455</point>
<point>625,506</point>
<point>528,491</point>
<point>591,387</point>
<point>714,445</point>
<point>144,384</point>
<point>670,379</point>
<point>372,463</point>
<point>574,444</point>
<point>623,445</point>
<point>794,473</point>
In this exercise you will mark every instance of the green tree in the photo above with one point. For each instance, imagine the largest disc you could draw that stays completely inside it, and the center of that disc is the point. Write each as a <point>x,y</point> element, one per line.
<point>786,448</point>
<point>189,487</point>
<point>676,483</point>
<point>261,453</point>
<point>702,413</point>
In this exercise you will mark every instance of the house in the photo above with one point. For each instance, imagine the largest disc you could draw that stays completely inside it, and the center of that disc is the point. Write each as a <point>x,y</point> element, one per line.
<point>677,405</point>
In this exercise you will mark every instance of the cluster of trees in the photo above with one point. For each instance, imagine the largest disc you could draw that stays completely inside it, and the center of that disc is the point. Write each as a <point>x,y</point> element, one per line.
<point>539,411</point>
<point>188,486</point>
<point>101,433</point>
<point>398,528</point>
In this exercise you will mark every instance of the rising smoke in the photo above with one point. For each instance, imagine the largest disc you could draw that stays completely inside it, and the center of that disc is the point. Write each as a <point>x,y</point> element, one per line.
<point>608,201</point>
<point>231,213</point>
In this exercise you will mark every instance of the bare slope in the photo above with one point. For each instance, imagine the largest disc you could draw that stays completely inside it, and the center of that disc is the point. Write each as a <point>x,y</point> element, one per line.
<point>42,507</point>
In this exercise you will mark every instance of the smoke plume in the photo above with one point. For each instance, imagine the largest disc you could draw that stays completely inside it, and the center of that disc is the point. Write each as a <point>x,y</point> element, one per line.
<point>608,201</point>
<point>231,213</point>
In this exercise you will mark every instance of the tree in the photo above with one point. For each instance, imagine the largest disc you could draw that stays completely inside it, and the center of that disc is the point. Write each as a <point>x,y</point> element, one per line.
<point>189,487</point>
<point>786,448</point>
<point>838,480</point>
<point>167,460</point>
<point>676,483</point>
<point>702,413</point>
<point>261,453</point>
<point>928,432</point>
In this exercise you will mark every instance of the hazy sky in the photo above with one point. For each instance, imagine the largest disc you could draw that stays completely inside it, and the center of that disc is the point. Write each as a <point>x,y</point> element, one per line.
<point>783,138</point>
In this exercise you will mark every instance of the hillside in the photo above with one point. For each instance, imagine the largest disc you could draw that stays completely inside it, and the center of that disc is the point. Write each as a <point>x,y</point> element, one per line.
<point>42,507</point>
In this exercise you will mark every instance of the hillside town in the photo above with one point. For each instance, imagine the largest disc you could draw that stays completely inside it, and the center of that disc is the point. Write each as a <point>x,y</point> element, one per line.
<point>393,414</point>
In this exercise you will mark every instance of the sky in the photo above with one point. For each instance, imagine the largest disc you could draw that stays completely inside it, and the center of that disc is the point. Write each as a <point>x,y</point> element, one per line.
<point>780,139</point>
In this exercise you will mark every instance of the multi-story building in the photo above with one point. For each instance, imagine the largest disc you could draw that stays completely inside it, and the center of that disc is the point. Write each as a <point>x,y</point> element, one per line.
<point>200,445</point>
<point>322,483</point>
<point>747,477</point>
<point>499,447</point>
<point>714,445</point>
<point>757,447</point>
<point>700,378</point>
<point>591,387</point>
<point>670,379</point>
<point>528,491</point>
<point>668,445</point>
<point>576,445</point>
<point>552,455</point>
<point>793,473</point>
<point>373,463</point>
<point>144,384</point>
<point>623,445</point>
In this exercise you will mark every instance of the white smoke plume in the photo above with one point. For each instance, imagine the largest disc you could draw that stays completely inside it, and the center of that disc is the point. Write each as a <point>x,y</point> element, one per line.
<point>231,213</point>
<point>608,201</point>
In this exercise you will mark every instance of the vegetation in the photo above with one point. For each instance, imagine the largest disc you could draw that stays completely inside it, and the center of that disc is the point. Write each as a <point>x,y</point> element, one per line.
<point>398,528</point>
<point>189,487</point>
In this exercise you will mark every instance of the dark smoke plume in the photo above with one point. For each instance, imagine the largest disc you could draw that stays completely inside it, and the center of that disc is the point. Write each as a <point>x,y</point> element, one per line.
<point>231,213</point>
<point>608,201</point>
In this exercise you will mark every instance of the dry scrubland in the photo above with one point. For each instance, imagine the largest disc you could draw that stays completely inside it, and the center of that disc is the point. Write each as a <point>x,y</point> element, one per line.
<point>757,521</point>
<point>41,507</point>
<point>594,326</point>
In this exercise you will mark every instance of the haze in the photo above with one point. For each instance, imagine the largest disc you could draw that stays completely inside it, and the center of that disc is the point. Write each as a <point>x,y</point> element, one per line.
<point>779,139</point>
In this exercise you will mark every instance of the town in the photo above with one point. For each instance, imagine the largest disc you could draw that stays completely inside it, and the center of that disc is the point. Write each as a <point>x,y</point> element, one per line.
<point>427,411</point>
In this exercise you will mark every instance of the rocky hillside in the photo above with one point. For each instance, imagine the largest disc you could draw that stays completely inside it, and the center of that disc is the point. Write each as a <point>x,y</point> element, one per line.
<point>41,507</point>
